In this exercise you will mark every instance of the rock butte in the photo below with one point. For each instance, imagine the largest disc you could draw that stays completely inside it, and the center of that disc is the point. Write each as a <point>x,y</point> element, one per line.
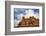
<point>29,22</point>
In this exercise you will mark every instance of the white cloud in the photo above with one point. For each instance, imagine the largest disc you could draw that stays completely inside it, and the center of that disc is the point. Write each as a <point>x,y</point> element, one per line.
<point>31,13</point>
<point>17,21</point>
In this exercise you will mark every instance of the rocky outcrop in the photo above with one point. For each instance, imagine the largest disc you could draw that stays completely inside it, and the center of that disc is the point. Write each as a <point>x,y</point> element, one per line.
<point>29,22</point>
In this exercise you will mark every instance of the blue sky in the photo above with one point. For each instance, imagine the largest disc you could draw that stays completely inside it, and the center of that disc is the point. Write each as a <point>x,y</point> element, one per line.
<point>19,11</point>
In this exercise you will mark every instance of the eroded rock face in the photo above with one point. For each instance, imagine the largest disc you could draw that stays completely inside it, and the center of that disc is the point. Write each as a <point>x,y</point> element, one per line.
<point>29,22</point>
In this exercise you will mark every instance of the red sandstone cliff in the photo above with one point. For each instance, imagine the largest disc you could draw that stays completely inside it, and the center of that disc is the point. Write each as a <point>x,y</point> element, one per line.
<point>29,22</point>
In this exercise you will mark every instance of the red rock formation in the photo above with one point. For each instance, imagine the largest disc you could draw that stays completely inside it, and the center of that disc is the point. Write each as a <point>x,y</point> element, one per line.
<point>29,22</point>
